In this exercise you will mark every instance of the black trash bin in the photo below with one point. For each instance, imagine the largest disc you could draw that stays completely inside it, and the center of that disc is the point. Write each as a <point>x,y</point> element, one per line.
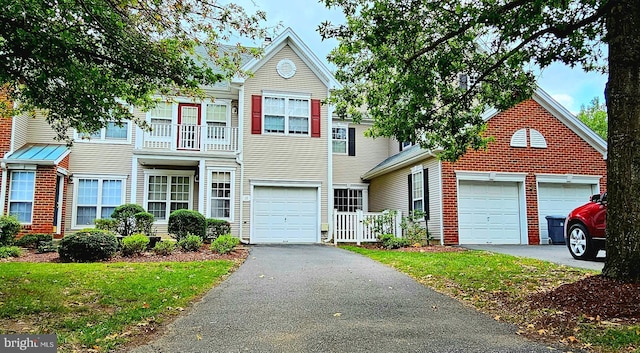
<point>555,227</point>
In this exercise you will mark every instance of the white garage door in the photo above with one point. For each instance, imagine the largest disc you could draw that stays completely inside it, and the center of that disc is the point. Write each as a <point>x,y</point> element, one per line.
<point>285,215</point>
<point>488,212</point>
<point>559,199</point>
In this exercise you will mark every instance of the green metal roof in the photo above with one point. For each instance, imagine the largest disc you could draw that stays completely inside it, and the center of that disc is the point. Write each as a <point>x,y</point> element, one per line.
<point>38,153</point>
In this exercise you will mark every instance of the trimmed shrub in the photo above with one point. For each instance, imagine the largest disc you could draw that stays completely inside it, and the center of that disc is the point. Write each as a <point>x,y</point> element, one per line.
<point>46,246</point>
<point>9,228</point>
<point>106,224</point>
<point>9,251</point>
<point>88,245</point>
<point>215,228</point>
<point>134,244</point>
<point>390,241</point>
<point>164,248</point>
<point>32,240</point>
<point>224,244</point>
<point>190,243</point>
<point>185,222</point>
<point>144,223</point>
<point>124,215</point>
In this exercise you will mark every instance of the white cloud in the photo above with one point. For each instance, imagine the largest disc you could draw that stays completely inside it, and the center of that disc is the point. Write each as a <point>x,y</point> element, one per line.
<point>566,100</point>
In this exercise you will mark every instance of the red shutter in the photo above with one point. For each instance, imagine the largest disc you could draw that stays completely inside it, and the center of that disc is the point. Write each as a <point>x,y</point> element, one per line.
<point>315,118</point>
<point>256,115</point>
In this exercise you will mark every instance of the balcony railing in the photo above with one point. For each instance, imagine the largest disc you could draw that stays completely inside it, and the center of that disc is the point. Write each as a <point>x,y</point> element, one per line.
<point>190,137</point>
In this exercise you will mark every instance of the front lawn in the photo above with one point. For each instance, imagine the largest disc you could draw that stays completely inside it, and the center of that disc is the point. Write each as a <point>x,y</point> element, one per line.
<point>97,306</point>
<point>509,289</point>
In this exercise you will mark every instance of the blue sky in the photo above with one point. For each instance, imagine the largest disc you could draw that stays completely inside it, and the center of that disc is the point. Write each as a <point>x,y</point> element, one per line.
<point>570,87</point>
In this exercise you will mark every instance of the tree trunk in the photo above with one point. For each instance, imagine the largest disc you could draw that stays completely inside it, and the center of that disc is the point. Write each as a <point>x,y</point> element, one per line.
<point>623,162</point>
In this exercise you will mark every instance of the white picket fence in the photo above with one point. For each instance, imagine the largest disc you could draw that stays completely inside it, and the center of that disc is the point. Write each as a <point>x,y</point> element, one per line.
<point>359,227</point>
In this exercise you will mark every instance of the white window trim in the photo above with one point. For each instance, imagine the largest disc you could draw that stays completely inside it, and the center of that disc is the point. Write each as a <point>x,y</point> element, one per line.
<point>287,97</point>
<point>168,174</point>
<point>365,193</point>
<point>231,217</point>
<point>101,178</point>
<point>77,137</point>
<point>417,171</point>
<point>223,102</point>
<point>346,140</point>
<point>33,195</point>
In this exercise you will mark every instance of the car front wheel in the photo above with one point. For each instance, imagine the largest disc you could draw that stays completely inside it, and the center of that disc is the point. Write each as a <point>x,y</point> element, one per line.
<point>579,243</point>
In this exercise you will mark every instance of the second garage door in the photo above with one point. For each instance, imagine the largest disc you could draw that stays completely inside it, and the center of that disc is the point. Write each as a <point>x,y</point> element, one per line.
<point>285,215</point>
<point>559,199</point>
<point>488,212</point>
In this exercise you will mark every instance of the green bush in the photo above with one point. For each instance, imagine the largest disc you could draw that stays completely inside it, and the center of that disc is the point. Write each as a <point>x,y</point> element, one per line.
<point>190,243</point>
<point>88,245</point>
<point>134,244</point>
<point>390,241</point>
<point>124,215</point>
<point>164,248</point>
<point>9,228</point>
<point>46,246</point>
<point>224,244</point>
<point>144,223</point>
<point>32,240</point>
<point>106,224</point>
<point>9,251</point>
<point>185,222</point>
<point>216,228</point>
<point>414,228</point>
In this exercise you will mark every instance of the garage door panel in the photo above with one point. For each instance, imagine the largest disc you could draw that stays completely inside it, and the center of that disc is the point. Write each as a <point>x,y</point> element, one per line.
<point>285,214</point>
<point>559,199</point>
<point>488,212</point>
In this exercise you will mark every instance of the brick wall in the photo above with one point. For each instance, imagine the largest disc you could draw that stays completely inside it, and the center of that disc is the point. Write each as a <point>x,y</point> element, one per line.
<point>566,153</point>
<point>5,125</point>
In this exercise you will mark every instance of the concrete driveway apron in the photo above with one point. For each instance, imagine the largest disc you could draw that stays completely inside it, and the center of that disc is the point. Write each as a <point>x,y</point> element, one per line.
<point>313,298</point>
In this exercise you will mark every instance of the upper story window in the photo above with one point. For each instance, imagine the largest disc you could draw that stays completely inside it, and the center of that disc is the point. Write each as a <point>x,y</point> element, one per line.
<point>112,133</point>
<point>285,115</point>
<point>339,139</point>
<point>218,117</point>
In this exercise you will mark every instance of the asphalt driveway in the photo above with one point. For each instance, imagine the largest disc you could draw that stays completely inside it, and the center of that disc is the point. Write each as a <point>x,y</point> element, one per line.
<point>553,253</point>
<point>316,298</point>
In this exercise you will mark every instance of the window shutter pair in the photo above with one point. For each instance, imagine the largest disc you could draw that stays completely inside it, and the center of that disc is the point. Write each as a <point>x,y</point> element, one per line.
<point>425,190</point>
<point>256,116</point>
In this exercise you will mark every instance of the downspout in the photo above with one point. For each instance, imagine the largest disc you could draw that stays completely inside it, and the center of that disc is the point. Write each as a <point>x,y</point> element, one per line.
<point>441,204</point>
<point>3,192</point>
<point>240,161</point>
<point>329,173</point>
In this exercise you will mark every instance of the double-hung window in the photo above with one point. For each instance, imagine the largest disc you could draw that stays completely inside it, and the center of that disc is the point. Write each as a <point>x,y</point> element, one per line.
<point>160,119</point>
<point>21,195</point>
<point>96,197</point>
<point>339,139</point>
<point>217,121</point>
<point>221,194</point>
<point>287,115</point>
<point>111,132</point>
<point>168,192</point>
<point>419,190</point>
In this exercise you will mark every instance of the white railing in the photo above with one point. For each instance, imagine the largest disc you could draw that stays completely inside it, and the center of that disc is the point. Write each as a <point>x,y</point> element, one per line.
<point>359,227</point>
<point>190,137</point>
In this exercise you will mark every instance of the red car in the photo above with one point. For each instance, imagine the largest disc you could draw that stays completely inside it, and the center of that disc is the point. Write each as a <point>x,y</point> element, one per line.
<point>585,228</point>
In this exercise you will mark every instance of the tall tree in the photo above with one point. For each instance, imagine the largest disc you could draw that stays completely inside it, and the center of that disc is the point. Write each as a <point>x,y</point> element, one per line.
<point>594,116</point>
<point>82,62</point>
<point>401,58</point>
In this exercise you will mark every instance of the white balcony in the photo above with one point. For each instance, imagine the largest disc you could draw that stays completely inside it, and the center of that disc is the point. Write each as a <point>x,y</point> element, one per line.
<point>189,137</point>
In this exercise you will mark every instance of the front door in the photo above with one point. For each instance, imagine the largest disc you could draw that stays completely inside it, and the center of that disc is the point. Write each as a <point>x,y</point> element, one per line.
<point>188,126</point>
<point>57,208</point>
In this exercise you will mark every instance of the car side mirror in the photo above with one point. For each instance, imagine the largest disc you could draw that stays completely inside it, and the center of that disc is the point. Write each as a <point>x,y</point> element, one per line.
<point>595,198</point>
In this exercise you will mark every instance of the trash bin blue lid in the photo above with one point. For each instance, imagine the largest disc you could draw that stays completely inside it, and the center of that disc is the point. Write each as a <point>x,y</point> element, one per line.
<point>555,217</point>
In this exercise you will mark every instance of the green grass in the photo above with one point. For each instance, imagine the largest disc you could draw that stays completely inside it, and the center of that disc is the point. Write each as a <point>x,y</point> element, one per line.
<point>99,305</point>
<point>499,285</point>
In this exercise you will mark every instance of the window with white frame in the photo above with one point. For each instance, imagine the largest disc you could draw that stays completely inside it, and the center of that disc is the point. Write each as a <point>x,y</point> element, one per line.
<point>160,119</point>
<point>417,189</point>
<point>348,200</point>
<point>111,132</point>
<point>287,115</point>
<point>339,139</point>
<point>221,200</point>
<point>21,195</point>
<point>166,193</point>
<point>96,197</point>
<point>217,120</point>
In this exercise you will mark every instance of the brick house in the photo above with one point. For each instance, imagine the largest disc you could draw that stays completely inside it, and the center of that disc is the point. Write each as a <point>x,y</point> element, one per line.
<point>543,161</point>
<point>264,154</point>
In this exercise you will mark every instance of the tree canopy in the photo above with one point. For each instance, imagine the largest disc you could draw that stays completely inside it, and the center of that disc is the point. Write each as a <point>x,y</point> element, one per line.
<point>84,62</point>
<point>594,116</point>
<point>426,70</point>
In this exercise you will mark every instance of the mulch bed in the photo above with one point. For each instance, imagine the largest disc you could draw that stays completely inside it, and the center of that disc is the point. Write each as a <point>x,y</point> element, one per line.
<point>429,248</point>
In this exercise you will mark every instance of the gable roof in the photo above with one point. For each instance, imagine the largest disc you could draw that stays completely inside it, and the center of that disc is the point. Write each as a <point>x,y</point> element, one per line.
<point>561,113</point>
<point>301,49</point>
